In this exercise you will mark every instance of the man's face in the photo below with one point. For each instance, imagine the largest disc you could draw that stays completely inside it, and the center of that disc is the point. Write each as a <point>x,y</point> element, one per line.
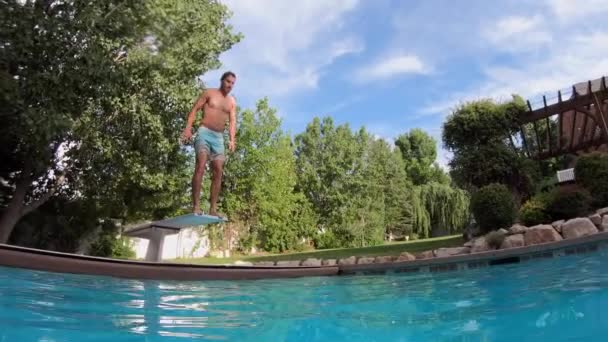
<point>228,83</point>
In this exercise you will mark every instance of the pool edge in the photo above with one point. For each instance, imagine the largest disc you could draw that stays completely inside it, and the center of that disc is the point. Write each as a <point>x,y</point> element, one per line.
<point>42,260</point>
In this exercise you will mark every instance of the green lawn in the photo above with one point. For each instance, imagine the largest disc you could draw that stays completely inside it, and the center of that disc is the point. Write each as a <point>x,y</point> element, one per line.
<point>394,248</point>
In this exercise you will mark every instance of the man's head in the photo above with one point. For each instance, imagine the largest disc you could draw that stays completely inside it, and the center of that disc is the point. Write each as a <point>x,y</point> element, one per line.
<point>227,81</point>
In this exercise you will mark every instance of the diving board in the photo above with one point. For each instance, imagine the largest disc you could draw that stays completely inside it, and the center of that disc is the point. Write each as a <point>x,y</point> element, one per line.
<point>156,231</point>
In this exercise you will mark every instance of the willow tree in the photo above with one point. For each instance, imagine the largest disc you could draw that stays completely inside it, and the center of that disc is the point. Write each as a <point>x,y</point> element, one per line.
<point>437,206</point>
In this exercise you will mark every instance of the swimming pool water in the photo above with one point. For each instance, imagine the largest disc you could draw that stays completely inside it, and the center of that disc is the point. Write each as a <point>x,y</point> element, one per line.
<point>561,299</point>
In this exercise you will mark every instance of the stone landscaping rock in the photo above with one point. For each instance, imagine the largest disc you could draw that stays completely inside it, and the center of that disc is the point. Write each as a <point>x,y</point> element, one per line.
<point>329,262</point>
<point>578,227</point>
<point>447,252</point>
<point>469,243</point>
<point>602,212</point>
<point>541,234</point>
<point>557,225</point>
<point>480,245</point>
<point>517,229</point>
<point>604,225</point>
<point>503,231</point>
<point>365,260</point>
<point>512,241</point>
<point>264,263</point>
<point>243,263</point>
<point>311,262</point>
<point>425,255</point>
<point>405,256</point>
<point>288,263</point>
<point>384,259</point>
<point>347,261</point>
<point>596,219</point>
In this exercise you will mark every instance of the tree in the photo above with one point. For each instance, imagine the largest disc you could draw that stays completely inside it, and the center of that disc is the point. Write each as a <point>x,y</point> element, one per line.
<point>439,206</point>
<point>111,81</point>
<point>259,183</point>
<point>478,133</point>
<point>419,151</point>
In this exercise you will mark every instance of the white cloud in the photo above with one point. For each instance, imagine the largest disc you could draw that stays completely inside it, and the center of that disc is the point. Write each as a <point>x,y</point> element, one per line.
<point>392,66</point>
<point>286,44</point>
<point>518,33</point>
<point>586,58</point>
<point>570,10</point>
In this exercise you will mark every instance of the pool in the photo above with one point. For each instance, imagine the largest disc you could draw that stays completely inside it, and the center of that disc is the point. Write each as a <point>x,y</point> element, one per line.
<point>559,299</point>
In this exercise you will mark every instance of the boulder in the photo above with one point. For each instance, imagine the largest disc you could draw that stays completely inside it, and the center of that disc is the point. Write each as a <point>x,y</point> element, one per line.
<point>329,262</point>
<point>503,231</point>
<point>243,263</point>
<point>383,259</point>
<point>469,243</point>
<point>405,256</point>
<point>365,260</point>
<point>347,261</point>
<point>578,227</point>
<point>447,252</point>
<point>543,233</point>
<point>604,225</point>
<point>596,219</point>
<point>517,229</point>
<point>288,263</point>
<point>264,263</point>
<point>480,245</point>
<point>511,241</point>
<point>311,262</point>
<point>602,212</point>
<point>557,225</point>
<point>425,255</point>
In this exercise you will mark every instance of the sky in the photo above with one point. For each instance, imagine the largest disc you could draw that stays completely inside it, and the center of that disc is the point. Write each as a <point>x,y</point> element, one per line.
<point>392,66</point>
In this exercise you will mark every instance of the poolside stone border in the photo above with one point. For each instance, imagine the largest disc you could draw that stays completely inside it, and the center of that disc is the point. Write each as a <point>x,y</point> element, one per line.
<point>519,244</point>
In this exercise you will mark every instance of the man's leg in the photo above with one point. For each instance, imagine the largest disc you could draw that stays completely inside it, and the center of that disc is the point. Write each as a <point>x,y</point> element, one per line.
<point>217,167</point>
<point>197,179</point>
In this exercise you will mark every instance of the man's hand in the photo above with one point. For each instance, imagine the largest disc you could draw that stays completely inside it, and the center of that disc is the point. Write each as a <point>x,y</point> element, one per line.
<point>186,135</point>
<point>232,146</point>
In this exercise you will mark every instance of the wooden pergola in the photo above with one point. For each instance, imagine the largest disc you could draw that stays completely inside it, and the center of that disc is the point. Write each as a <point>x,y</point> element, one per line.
<point>581,120</point>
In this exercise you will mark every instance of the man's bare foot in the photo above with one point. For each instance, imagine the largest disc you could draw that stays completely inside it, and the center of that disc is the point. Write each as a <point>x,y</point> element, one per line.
<point>197,211</point>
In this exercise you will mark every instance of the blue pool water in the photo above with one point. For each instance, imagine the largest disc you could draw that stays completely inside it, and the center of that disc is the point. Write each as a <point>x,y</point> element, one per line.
<point>561,299</point>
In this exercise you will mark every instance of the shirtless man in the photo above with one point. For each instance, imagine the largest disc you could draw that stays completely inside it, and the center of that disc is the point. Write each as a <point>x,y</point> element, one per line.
<point>217,107</point>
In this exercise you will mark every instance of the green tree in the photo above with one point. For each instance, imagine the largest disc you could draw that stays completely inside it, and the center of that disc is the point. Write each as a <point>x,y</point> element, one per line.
<point>439,207</point>
<point>108,83</point>
<point>419,151</point>
<point>478,133</point>
<point>259,183</point>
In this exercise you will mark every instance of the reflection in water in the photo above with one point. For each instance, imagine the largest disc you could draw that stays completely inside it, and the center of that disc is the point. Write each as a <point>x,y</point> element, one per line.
<point>555,299</point>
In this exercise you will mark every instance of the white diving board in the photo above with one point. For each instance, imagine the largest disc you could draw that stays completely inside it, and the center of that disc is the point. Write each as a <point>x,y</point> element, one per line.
<point>156,231</point>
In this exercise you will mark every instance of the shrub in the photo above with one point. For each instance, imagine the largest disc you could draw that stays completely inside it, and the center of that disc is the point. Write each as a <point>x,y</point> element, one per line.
<point>493,207</point>
<point>567,205</point>
<point>534,211</point>
<point>495,239</point>
<point>592,174</point>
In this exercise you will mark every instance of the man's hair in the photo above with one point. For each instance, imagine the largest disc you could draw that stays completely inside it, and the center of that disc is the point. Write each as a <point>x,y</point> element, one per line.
<point>226,74</point>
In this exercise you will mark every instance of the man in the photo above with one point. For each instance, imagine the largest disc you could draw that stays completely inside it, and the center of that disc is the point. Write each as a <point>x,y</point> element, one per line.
<point>217,107</point>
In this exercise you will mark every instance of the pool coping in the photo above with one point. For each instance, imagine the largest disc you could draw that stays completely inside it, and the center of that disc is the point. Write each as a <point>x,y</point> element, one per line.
<point>42,260</point>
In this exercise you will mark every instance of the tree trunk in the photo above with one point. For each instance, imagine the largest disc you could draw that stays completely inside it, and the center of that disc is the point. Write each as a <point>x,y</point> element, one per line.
<point>12,214</point>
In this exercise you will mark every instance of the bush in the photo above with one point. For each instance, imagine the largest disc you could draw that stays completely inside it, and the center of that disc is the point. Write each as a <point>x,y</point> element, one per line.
<point>567,205</point>
<point>493,207</point>
<point>495,239</point>
<point>534,211</point>
<point>592,174</point>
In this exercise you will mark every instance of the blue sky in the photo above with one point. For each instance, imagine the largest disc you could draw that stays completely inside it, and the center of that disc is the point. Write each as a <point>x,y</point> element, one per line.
<point>396,65</point>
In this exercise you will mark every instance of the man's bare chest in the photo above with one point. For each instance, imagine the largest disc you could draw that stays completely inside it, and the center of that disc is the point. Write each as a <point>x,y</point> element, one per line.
<point>219,104</point>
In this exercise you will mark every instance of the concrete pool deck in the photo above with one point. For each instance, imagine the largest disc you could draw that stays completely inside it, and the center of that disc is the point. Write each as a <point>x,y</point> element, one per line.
<point>41,260</point>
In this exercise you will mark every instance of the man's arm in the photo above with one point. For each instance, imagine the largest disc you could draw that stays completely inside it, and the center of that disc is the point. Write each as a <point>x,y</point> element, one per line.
<point>232,127</point>
<point>200,102</point>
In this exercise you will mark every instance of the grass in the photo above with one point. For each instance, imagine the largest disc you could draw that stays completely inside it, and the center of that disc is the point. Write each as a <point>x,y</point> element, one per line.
<point>394,248</point>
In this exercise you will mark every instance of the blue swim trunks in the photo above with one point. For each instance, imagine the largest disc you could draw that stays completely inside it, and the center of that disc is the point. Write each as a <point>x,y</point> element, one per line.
<point>210,142</point>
